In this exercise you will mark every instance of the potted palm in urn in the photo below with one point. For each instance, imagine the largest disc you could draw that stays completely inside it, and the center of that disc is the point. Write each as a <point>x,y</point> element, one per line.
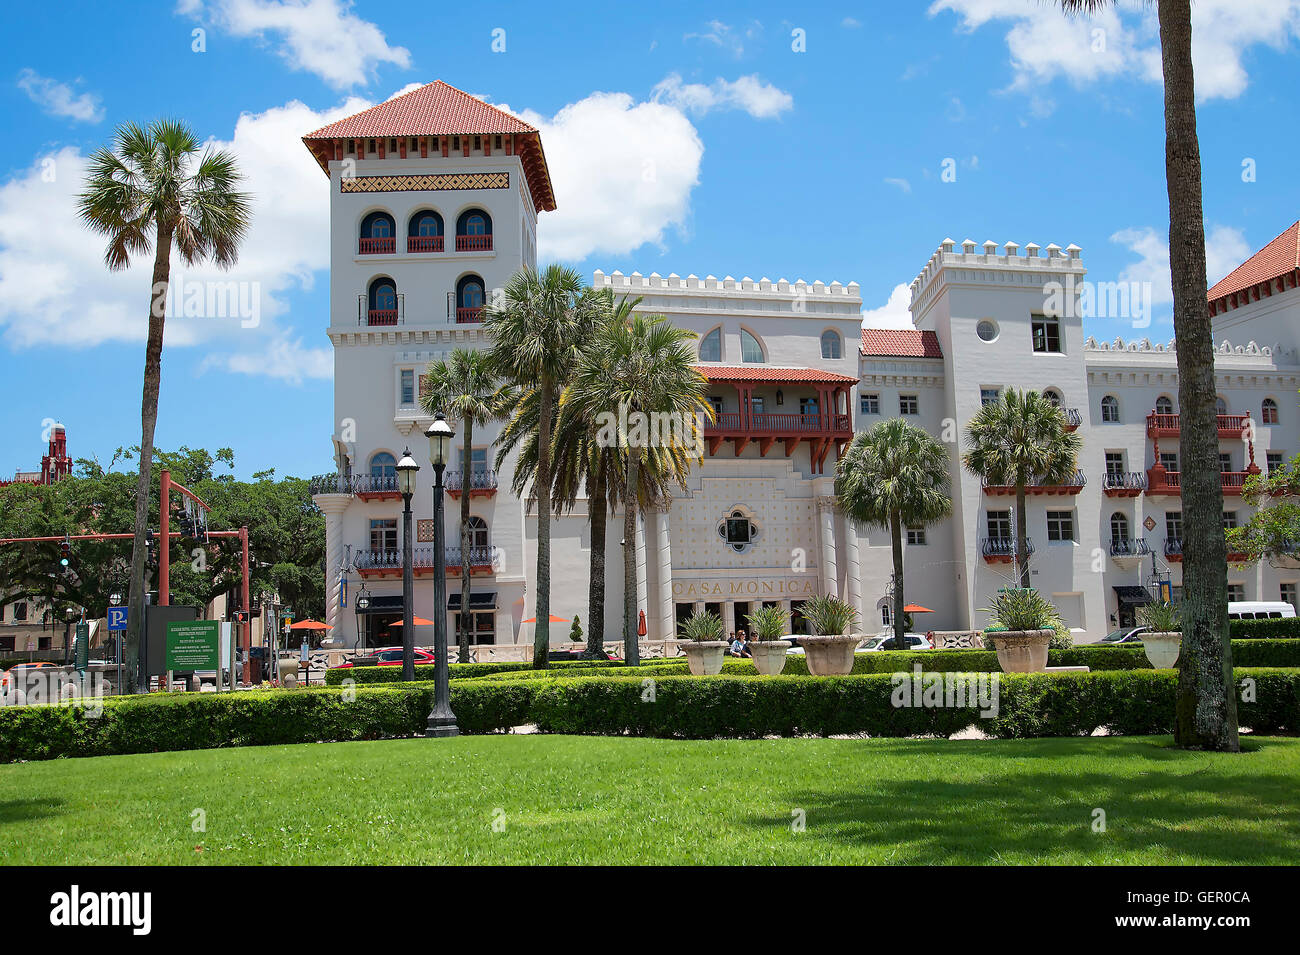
<point>829,651</point>
<point>1022,629</point>
<point>705,645</point>
<point>1165,638</point>
<point>769,625</point>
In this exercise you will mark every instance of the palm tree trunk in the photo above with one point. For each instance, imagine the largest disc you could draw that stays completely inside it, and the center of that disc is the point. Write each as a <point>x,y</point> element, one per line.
<point>631,645</point>
<point>135,675</point>
<point>466,474</point>
<point>599,512</point>
<point>896,532</point>
<point>542,486</point>
<point>1206,709</point>
<point>1022,540</point>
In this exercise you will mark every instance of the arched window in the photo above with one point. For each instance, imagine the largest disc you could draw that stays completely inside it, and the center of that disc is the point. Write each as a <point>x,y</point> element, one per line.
<point>469,299</point>
<point>478,531</point>
<point>1053,397</point>
<point>711,346</point>
<point>1118,530</point>
<point>382,465</point>
<point>382,308</point>
<point>474,231</point>
<point>832,346</point>
<point>1268,411</point>
<point>424,232</point>
<point>1220,406</point>
<point>378,232</point>
<point>1164,405</point>
<point>1110,409</point>
<point>750,349</point>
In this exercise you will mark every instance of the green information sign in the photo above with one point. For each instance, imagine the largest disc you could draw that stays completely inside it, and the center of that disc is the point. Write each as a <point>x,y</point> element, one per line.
<point>193,645</point>
<point>82,646</point>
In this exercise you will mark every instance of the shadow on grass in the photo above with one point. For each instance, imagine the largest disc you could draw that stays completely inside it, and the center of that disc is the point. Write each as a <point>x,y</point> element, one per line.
<point>24,810</point>
<point>1030,815</point>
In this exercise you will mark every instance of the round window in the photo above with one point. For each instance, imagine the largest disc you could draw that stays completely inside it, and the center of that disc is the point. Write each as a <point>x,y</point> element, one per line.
<point>986,330</point>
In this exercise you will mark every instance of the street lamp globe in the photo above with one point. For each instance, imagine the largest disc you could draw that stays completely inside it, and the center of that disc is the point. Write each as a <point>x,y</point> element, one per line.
<point>406,472</point>
<point>440,436</point>
<point>72,613</point>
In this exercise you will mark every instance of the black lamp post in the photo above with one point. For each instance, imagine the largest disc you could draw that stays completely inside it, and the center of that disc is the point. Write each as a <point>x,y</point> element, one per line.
<point>360,606</point>
<point>442,721</point>
<point>69,615</point>
<point>406,472</point>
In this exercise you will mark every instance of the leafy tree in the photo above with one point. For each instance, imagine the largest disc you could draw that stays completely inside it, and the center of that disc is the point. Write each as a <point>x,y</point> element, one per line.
<point>1019,439</point>
<point>464,387</point>
<point>536,331</point>
<point>895,476</point>
<point>1273,531</point>
<point>152,192</point>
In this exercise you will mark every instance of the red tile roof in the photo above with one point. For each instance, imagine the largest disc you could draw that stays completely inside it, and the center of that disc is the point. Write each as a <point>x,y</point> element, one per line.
<point>769,373</point>
<point>437,109</point>
<point>1279,257</point>
<point>900,343</point>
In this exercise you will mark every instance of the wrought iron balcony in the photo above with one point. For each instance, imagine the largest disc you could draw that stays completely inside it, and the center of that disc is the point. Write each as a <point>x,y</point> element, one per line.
<point>1174,548</point>
<point>1123,483</point>
<point>1073,418</point>
<point>388,563</point>
<point>482,483</point>
<point>1129,547</point>
<point>1073,485</point>
<point>1002,549</point>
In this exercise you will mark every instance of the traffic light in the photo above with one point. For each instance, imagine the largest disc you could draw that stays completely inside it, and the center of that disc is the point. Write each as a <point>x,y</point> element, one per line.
<point>65,553</point>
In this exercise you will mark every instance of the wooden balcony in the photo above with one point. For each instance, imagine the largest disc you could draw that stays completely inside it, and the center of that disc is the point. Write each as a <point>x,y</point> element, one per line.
<point>1163,482</point>
<point>1167,425</point>
<point>469,316</point>
<point>1073,486</point>
<point>386,245</point>
<point>424,243</point>
<point>765,428</point>
<point>473,243</point>
<point>394,312</point>
<point>388,563</point>
<point>481,483</point>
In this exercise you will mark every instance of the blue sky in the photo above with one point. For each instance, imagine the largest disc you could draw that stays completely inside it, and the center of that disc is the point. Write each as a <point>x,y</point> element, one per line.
<point>755,139</point>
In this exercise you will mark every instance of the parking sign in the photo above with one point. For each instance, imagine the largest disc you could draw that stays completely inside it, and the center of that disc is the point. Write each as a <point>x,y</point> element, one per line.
<point>116,618</point>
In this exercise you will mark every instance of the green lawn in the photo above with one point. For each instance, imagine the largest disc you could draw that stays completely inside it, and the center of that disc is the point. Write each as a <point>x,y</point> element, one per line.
<point>598,800</point>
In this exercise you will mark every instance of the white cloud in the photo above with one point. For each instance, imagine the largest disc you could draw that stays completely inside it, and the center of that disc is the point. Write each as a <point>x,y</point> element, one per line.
<point>902,184</point>
<point>623,172</point>
<point>1225,249</point>
<point>728,38</point>
<point>894,313</point>
<point>1045,45</point>
<point>323,37</point>
<point>57,99</point>
<point>55,289</point>
<point>760,100</point>
<point>284,358</point>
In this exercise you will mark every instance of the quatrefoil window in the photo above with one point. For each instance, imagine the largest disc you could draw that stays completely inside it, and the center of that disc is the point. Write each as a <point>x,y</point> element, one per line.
<point>737,530</point>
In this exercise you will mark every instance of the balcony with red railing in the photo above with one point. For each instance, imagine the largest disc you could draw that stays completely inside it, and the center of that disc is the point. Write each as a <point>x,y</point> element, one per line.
<point>469,316</point>
<point>473,243</point>
<point>1163,482</point>
<point>1160,425</point>
<point>424,243</point>
<point>766,428</point>
<point>372,317</point>
<point>1072,485</point>
<point>385,245</point>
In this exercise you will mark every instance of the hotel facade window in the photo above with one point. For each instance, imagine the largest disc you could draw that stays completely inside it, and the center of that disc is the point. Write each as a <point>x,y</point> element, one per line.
<point>1236,593</point>
<point>474,231</point>
<point>1115,462</point>
<point>1060,525</point>
<point>909,404</point>
<point>916,536</point>
<point>408,387</point>
<point>711,346</point>
<point>1110,409</point>
<point>1174,525</point>
<point>1118,528</point>
<point>870,403</point>
<point>1046,334</point>
<point>832,346</point>
<point>1287,592</point>
<point>1053,397</point>
<point>751,352</point>
<point>999,525</point>
<point>1220,406</point>
<point>424,232</point>
<point>383,464</point>
<point>1268,412</point>
<point>1274,460</point>
<point>989,396</point>
<point>378,233</point>
<point>1164,405</point>
<point>1169,460</point>
<point>383,534</point>
<point>1225,461</point>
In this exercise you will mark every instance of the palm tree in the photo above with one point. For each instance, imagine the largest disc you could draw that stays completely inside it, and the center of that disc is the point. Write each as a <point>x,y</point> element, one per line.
<point>463,387</point>
<point>536,330</point>
<point>151,191</point>
<point>1019,439</point>
<point>638,371</point>
<point>894,476</point>
<point>1206,709</point>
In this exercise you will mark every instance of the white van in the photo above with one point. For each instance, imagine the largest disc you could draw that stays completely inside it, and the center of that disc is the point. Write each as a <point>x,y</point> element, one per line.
<point>1259,609</point>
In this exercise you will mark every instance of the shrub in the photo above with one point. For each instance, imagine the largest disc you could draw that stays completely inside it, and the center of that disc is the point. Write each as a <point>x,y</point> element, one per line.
<point>455,671</point>
<point>1160,617</point>
<point>701,626</point>
<point>769,623</point>
<point>1021,608</point>
<point>829,616</point>
<point>1287,628</point>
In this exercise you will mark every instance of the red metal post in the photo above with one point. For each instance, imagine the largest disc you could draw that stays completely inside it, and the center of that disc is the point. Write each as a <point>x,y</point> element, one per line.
<point>164,541</point>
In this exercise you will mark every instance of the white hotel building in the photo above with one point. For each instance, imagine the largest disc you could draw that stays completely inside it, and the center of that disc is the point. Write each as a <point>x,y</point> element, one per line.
<point>434,201</point>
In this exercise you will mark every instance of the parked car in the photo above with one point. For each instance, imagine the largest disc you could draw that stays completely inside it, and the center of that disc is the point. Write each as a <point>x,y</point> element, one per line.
<point>1124,635</point>
<point>388,657</point>
<point>885,641</point>
<point>4,679</point>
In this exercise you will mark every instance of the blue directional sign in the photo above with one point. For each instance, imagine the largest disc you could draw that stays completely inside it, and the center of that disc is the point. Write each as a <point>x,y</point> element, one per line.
<point>116,618</point>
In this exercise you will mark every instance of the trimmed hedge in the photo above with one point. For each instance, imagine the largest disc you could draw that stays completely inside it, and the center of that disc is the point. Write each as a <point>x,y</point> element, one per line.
<point>455,671</point>
<point>1029,705</point>
<point>1285,628</point>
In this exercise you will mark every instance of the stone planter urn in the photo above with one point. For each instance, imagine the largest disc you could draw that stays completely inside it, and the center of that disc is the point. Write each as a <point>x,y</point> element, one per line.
<point>830,655</point>
<point>769,655</point>
<point>289,672</point>
<point>1022,651</point>
<point>1162,649</point>
<point>704,656</point>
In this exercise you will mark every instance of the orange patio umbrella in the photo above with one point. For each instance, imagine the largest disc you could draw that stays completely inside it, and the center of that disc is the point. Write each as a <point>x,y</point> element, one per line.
<point>554,619</point>
<point>310,625</point>
<point>640,625</point>
<point>415,622</point>
<point>916,608</point>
